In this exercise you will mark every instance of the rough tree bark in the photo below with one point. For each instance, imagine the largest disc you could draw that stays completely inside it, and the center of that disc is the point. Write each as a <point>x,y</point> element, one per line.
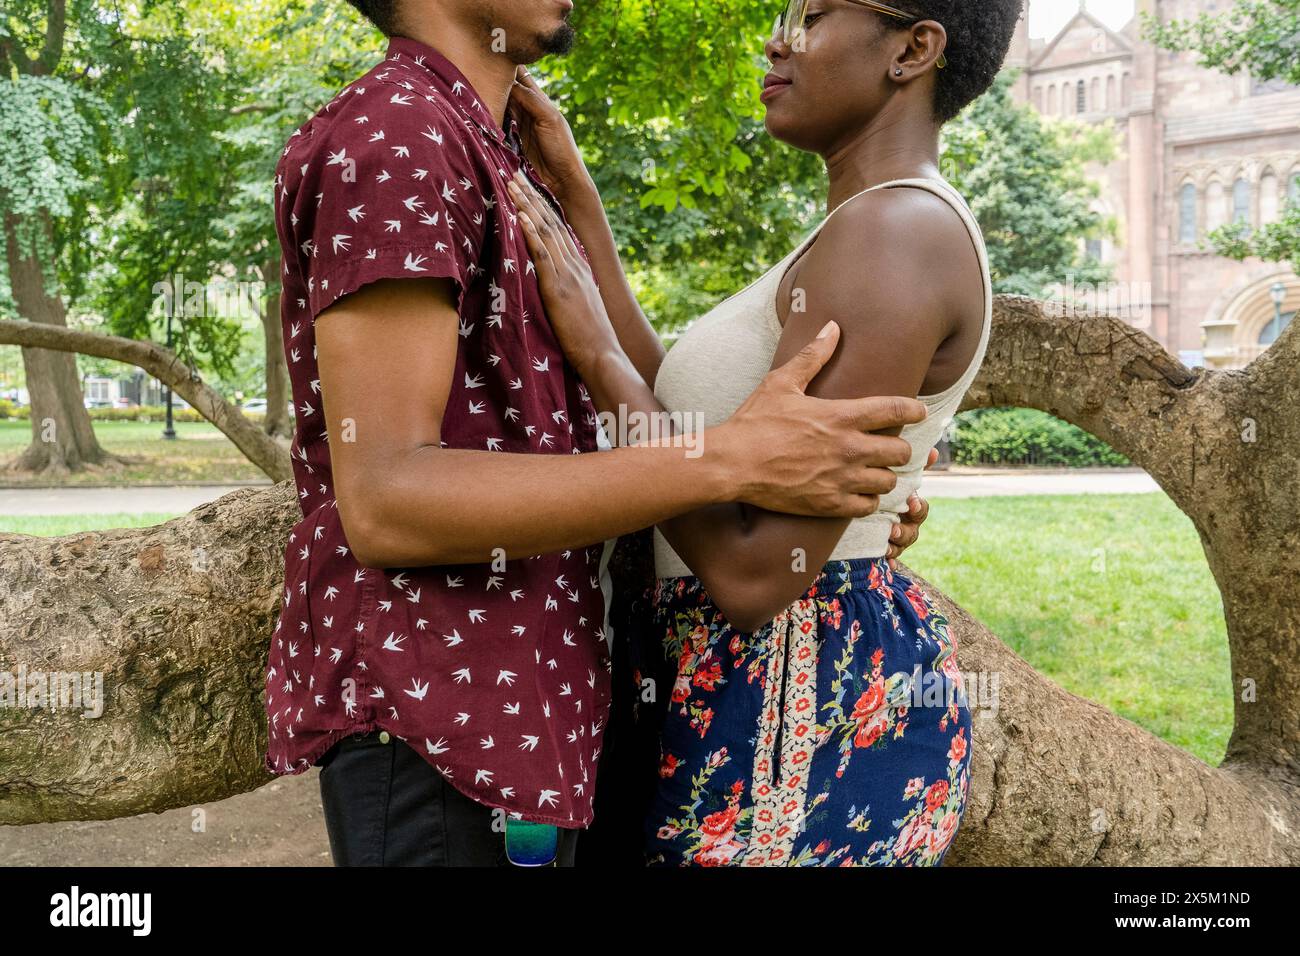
<point>178,618</point>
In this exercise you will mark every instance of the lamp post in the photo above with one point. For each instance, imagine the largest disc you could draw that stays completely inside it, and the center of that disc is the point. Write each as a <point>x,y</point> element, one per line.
<point>1278,293</point>
<point>169,428</point>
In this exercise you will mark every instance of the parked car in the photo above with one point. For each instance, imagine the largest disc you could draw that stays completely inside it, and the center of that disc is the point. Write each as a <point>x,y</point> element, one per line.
<point>255,405</point>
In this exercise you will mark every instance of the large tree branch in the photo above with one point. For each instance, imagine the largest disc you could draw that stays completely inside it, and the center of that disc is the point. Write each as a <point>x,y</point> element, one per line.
<point>1223,444</point>
<point>166,366</point>
<point>47,60</point>
<point>55,28</point>
<point>178,618</point>
<point>1093,371</point>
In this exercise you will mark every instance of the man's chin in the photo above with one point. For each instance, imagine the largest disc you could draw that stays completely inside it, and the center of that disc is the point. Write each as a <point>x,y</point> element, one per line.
<point>559,41</point>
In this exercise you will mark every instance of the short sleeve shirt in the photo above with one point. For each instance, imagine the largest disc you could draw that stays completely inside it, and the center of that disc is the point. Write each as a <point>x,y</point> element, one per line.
<point>497,674</point>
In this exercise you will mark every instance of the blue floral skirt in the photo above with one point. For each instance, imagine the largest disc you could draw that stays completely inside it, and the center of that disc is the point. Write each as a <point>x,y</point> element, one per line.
<point>836,735</point>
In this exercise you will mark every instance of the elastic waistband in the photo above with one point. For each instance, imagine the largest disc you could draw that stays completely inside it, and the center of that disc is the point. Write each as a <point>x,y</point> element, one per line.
<point>854,570</point>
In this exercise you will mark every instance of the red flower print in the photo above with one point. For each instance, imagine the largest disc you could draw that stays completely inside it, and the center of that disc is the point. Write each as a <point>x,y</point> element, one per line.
<point>936,796</point>
<point>709,677</point>
<point>668,766</point>
<point>870,715</point>
<point>721,825</point>
<point>916,597</point>
<point>958,748</point>
<point>944,830</point>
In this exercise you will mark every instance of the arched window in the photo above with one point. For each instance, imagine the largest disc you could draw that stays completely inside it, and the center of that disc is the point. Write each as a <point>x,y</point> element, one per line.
<point>1187,214</point>
<point>1081,97</point>
<point>1268,204</point>
<point>1216,214</point>
<point>1110,93</point>
<point>1269,333</point>
<point>1051,100</point>
<point>1293,189</point>
<point>1095,94</point>
<point>1125,93</point>
<point>1038,98</point>
<point>1241,202</point>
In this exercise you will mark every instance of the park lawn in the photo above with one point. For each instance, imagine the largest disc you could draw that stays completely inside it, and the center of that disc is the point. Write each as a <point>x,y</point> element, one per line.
<point>200,453</point>
<point>1108,595</point>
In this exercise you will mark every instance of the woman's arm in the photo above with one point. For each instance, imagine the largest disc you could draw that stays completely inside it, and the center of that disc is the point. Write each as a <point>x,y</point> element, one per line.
<point>755,562</point>
<point>549,143</point>
<point>406,501</point>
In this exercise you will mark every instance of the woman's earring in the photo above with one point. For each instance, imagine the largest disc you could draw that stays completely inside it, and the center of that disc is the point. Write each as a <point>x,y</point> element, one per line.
<point>898,71</point>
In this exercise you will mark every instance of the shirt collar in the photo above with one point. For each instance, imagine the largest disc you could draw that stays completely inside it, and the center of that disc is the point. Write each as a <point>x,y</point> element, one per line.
<point>455,86</point>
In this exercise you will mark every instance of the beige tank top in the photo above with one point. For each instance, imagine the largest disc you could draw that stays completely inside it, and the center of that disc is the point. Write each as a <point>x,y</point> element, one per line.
<point>715,365</point>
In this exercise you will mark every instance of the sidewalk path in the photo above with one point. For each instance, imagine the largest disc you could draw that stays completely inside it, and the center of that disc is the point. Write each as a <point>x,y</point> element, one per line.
<point>179,499</point>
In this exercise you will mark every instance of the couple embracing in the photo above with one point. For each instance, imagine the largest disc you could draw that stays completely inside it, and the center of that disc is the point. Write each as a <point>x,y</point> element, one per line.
<point>458,324</point>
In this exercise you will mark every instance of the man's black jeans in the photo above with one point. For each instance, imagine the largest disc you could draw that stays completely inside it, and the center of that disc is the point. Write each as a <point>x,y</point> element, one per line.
<point>386,806</point>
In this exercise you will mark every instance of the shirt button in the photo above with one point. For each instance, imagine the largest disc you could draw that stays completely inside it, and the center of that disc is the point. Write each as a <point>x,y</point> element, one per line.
<point>383,737</point>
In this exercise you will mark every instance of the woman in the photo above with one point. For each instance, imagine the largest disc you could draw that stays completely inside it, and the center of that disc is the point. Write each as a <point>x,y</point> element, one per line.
<point>817,715</point>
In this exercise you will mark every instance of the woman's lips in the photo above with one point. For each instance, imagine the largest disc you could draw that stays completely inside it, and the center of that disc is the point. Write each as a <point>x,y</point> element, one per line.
<point>773,86</point>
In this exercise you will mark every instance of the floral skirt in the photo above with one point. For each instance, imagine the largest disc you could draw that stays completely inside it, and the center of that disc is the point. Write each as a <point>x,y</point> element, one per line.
<point>836,735</point>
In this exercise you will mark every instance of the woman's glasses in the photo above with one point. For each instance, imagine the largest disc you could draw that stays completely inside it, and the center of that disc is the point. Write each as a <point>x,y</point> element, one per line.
<point>791,20</point>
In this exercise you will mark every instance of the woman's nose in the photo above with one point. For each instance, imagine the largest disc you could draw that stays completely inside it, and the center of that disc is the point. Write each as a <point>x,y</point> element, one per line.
<point>776,48</point>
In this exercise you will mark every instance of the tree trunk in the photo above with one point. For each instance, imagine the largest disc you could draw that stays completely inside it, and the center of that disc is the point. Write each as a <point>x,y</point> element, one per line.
<point>62,436</point>
<point>178,618</point>
<point>278,424</point>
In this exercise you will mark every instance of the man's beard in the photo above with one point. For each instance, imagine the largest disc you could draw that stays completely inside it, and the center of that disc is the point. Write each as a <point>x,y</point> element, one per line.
<point>559,42</point>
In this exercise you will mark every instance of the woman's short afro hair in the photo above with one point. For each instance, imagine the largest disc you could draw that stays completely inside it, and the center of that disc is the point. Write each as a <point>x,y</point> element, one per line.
<point>382,13</point>
<point>979,35</point>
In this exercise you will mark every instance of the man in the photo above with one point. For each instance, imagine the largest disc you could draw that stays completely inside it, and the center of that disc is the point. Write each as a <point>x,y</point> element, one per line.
<point>442,649</point>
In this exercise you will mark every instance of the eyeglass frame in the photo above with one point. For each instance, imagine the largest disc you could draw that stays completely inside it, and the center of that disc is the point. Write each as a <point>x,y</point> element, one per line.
<point>789,33</point>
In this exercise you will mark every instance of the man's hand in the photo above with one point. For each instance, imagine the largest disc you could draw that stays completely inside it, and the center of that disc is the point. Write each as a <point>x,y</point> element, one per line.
<point>904,534</point>
<point>816,456</point>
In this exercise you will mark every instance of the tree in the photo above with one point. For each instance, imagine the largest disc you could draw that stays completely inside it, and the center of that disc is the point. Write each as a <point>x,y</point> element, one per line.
<point>1261,37</point>
<point>52,128</point>
<point>177,618</point>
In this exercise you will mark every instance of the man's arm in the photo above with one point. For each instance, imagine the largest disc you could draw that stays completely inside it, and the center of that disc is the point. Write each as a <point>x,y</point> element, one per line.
<point>406,501</point>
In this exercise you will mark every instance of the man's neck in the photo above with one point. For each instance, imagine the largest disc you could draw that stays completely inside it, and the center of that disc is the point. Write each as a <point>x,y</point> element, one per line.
<point>491,74</point>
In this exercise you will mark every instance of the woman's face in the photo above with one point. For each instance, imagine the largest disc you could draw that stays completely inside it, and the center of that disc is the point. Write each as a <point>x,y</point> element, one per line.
<point>832,82</point>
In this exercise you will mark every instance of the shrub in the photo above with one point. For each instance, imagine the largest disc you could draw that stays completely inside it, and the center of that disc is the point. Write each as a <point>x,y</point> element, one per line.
<point>1026,436</point>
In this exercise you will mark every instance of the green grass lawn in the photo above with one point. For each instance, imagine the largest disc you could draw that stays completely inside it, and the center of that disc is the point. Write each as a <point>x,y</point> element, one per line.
<point>200,452</point>
<point>1108,595</point>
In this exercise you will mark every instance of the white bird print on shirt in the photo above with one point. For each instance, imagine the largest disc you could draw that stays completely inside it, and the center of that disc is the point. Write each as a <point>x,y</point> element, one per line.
<point>418,690</point>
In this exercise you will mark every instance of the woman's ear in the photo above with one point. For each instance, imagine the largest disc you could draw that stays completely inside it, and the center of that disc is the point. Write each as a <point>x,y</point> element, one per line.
<point>924,47</point>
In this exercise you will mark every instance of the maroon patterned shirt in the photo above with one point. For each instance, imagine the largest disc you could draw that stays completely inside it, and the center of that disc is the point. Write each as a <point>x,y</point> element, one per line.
<point>499,677</point>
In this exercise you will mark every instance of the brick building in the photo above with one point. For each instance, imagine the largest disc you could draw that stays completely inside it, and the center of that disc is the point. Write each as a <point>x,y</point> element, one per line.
<point>1199,149</point>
